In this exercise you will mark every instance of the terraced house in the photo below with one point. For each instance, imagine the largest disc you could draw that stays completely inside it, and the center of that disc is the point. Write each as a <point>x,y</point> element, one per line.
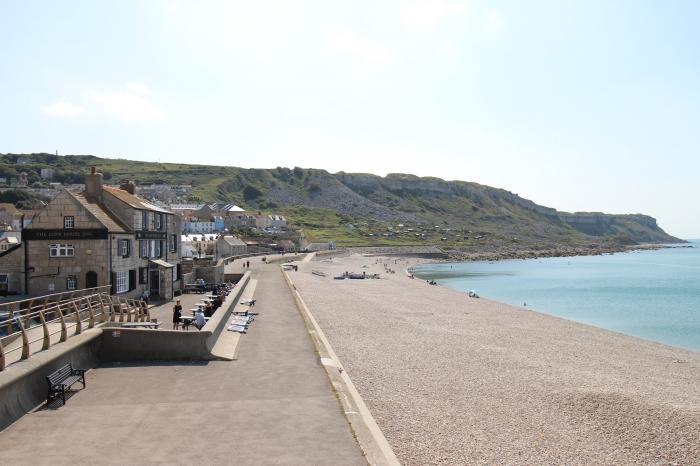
<point>103,236</point>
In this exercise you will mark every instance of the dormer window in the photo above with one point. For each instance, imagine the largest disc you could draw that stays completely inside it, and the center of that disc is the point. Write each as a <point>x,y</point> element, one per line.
<point>68,222</point>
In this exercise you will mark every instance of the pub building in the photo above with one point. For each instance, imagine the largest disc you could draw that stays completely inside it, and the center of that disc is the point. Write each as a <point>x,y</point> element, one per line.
<point>103,236</point>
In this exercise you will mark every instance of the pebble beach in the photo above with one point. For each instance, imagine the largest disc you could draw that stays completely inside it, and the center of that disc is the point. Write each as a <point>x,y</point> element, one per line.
<point>458,380</point>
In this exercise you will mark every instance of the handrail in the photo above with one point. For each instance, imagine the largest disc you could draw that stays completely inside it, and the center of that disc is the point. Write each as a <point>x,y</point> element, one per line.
<point>47,296</point>
<point>71,311</point>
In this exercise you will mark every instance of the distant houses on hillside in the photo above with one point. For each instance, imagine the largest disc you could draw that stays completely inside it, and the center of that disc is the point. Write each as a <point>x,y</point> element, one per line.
<point>218,218</point>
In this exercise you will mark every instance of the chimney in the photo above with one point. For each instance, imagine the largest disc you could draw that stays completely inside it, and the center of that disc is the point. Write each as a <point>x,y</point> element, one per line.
<point>93,186</point>
<point>128,186</point>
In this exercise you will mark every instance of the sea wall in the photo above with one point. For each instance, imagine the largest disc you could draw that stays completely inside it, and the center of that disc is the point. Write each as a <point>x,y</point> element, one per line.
<point>23,384</point>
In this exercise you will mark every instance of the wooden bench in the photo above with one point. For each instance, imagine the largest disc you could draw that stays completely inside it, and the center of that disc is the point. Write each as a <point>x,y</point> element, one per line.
<point>62,379</point>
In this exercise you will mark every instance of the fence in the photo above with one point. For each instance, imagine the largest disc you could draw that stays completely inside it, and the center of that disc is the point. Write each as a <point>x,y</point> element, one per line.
<point>36,324</point>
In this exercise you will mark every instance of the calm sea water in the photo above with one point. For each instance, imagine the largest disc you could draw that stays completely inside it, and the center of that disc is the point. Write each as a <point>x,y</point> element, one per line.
<point>649,294</point>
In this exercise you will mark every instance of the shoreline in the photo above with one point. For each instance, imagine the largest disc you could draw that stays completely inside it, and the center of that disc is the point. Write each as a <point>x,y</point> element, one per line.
<point>412,271</point>
<point>506,384</point>
<point>498,253</point>
<point>557,252</point>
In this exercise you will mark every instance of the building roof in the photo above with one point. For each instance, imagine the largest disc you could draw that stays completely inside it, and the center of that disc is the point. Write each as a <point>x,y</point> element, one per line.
<point>233,241</point>
<point>8,207</point>
<point>106,218</point>
<point>161,263</point>
<point>227,207</point>
<point>186,206</point>
<point>133,200</point>
<point>190,237</point>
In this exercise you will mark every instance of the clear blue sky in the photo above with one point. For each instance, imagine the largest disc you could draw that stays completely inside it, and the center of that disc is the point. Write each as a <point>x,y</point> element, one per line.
<point>577,105</point>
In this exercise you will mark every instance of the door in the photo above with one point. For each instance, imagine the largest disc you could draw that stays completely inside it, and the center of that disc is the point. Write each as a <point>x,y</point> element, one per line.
<point>91,279</point>
<point>154,282</point>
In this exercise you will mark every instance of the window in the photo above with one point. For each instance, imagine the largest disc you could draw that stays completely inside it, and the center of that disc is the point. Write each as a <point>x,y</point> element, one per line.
<point>61,250</point>
<point>178,267</point>
<point>68,222</point>
<point>4,278</point>
<point>143,247</point>
<point>159,221</point>
<point>124,247</point>
<point>157,248</point>
<point>173,243</point>
<point>144,220</point>
<point>71,283</point>
<point>121,282</point>
<point>143,275</point>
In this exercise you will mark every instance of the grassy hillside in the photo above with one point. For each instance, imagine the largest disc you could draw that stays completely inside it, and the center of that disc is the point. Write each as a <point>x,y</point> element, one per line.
<point>364,209</point>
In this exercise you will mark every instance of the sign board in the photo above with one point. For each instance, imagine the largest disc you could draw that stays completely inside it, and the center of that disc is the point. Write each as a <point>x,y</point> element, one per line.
<point>151,235</point>
<point>31,234</point>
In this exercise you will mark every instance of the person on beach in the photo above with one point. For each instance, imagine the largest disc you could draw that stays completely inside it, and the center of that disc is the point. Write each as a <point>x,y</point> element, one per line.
<point>177,313</point>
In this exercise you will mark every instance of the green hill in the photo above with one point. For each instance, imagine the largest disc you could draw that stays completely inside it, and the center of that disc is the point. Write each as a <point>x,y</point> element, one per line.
<point>364,209</point>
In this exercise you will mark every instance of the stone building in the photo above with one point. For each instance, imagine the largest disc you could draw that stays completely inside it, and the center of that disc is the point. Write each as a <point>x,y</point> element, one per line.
<point>12,270</point>
<point>103,236</point>
<point>230,246</point>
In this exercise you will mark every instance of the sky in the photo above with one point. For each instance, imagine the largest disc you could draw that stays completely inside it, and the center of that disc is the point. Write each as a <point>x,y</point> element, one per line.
<point>578,105</point>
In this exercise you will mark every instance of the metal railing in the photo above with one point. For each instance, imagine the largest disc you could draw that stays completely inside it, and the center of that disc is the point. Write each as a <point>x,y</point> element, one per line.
<point>31,321</point>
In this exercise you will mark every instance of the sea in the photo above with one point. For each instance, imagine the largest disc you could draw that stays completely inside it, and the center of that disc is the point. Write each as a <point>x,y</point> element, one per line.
<point>652,294</point>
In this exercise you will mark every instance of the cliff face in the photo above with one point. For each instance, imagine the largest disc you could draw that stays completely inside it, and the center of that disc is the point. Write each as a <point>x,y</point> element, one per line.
<point>404,190</point>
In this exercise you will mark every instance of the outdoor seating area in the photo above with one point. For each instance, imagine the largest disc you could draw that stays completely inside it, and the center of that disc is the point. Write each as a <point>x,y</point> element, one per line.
<point>199,286</point>
<point>201,312</point>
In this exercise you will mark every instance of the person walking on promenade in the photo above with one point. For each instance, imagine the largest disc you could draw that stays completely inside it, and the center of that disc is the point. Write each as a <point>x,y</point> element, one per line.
<point>247,264</point>
<point>177,313</point>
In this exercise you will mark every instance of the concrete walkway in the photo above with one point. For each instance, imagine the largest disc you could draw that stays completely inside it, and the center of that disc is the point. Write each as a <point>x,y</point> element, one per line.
<point>274,405</point>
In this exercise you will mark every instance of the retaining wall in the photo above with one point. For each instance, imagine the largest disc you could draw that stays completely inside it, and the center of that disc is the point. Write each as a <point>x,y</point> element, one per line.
<point>23,384</point>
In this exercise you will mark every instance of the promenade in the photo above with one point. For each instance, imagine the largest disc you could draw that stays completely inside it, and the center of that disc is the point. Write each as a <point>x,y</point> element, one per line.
<point>274,405</point>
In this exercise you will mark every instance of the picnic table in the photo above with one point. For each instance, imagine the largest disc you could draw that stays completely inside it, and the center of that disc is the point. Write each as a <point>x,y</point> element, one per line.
<point>189,320</point>
<point>153,325</point>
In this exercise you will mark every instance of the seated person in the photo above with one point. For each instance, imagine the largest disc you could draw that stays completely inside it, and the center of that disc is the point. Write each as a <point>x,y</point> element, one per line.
<point>208,310</point>
<point>199,320</point>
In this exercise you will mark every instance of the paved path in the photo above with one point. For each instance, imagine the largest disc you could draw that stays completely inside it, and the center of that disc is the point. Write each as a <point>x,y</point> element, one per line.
<point>274,405</point>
